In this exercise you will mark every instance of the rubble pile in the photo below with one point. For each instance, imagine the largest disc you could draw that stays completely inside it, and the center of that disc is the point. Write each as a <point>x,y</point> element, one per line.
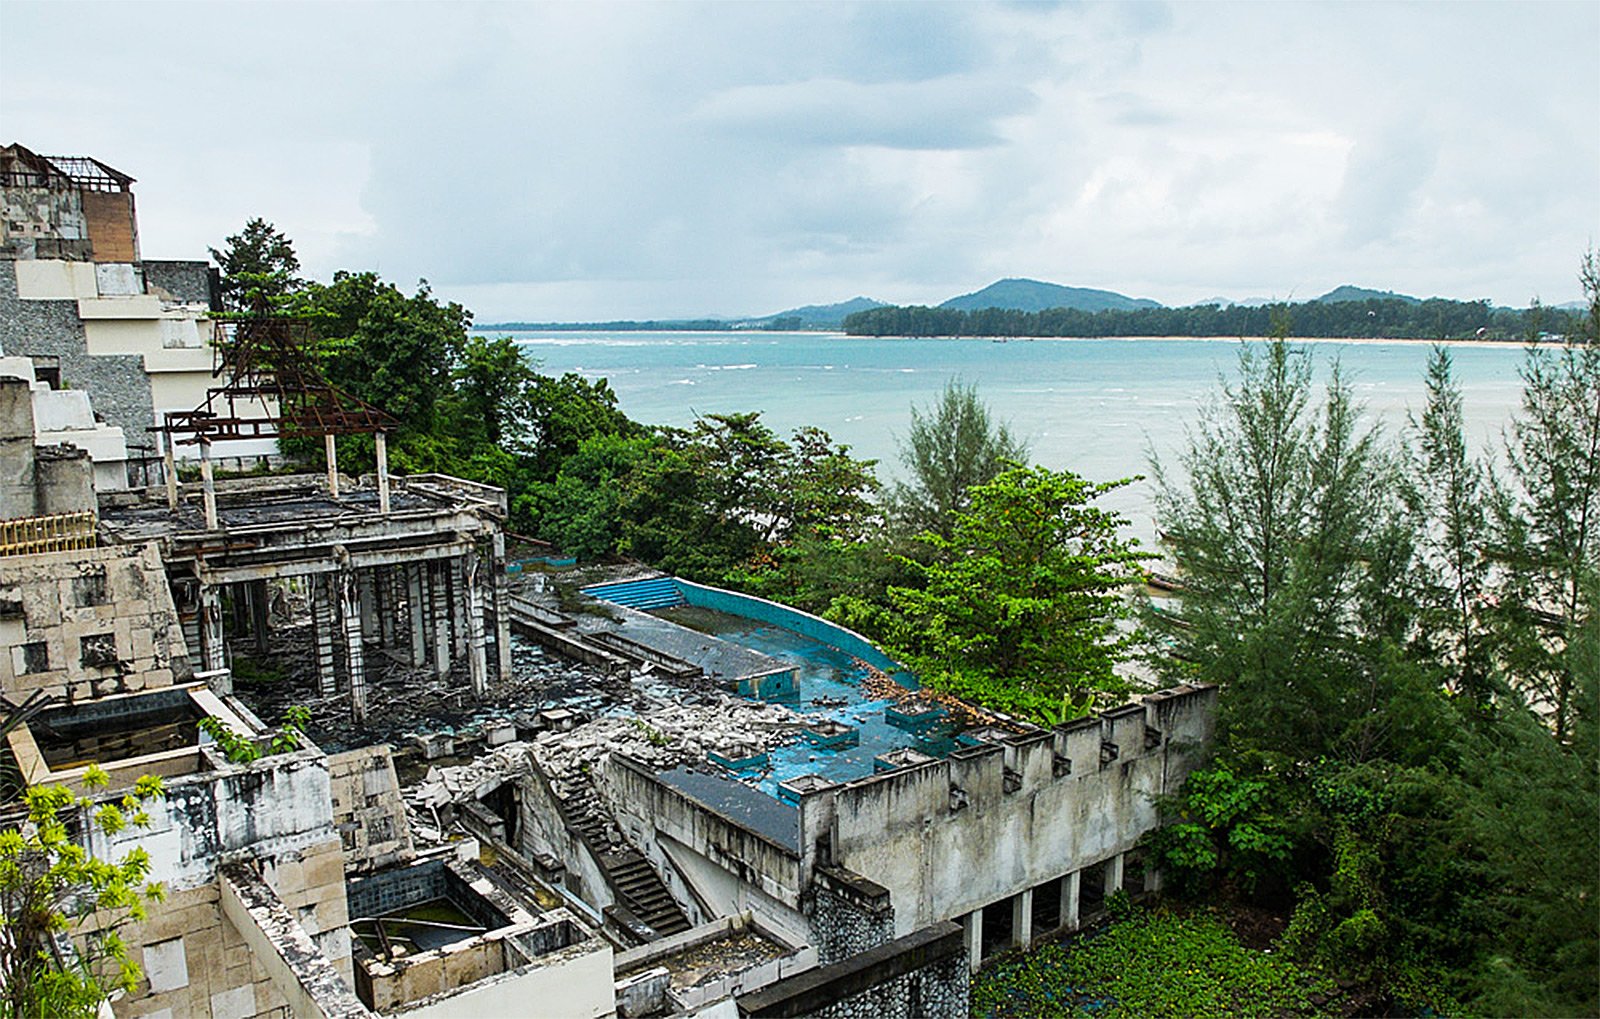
<point>444,786</point>
<point>408,701</point>
<point>665,736</point>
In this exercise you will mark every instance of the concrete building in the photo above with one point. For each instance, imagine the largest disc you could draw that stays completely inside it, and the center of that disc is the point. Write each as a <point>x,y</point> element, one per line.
<point>79,301</point>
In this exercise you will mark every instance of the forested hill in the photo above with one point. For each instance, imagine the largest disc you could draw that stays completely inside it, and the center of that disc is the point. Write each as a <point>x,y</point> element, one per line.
<point>1033,295</point>
<point>1385,318</point>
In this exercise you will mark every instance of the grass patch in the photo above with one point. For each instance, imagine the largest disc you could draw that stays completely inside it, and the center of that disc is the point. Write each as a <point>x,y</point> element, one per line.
<point>1152,963</point>
<point>251,672</point>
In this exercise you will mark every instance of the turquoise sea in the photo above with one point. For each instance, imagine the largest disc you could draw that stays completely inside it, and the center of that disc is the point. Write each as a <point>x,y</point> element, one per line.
<point>1095,406</point>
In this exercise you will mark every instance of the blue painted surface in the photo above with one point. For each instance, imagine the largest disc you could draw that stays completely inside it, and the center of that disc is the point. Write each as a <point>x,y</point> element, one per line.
<point>833,678</point>
<point>644,595</point>
<point>803,623</point>
<point>774,686</point>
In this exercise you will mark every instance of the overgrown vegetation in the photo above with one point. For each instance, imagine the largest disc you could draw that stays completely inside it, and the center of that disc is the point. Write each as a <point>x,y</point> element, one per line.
<point>286,739</point>
<point>1161,963</point>
<point>61,909</point>
<point>1408,756</point>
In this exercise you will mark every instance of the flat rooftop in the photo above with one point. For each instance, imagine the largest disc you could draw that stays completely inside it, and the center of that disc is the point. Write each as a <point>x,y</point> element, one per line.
<point>295,505</point>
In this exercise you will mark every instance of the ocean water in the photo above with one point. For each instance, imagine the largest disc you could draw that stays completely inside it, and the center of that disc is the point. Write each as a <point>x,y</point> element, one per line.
<point>1099,407</point>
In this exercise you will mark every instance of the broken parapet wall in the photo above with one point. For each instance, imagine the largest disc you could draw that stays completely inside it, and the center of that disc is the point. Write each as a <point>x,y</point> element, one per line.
<point>723,864</point>
<point>951,836</point>
<point>920,976</point>
<point>367,808</point>
<point>87,623</point>
<point>848,914</point>
<point>275,814</point>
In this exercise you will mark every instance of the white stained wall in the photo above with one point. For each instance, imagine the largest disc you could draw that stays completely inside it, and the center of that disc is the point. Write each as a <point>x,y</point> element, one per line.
<point>174,339</point>
<point>65,417</point>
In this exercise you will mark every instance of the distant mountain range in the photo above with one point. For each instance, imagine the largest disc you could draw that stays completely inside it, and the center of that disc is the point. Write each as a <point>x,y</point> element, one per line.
<point>1032,295</point>
<point>1008,294</point>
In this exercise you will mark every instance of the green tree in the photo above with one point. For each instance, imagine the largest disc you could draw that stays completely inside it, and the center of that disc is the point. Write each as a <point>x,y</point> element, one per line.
<point>395,352</point>
<point>565,412</point>
<point>1019,609</point>
<point>61,909</point>
<point>1548,516</point>
<point>582,510</point>
<point>259,259</point>
<point>494,384</point>
<point>952,445</point>
<point>1294,549</point>
<point>1448,492</point>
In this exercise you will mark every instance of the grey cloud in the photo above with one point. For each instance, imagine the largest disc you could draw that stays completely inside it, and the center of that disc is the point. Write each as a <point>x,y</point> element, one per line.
<point>945,113</point>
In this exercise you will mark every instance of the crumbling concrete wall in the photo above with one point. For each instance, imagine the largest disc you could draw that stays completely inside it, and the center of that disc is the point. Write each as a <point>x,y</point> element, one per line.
<point>919,976</point>
<point>309,984</point>
<point>954,835</point>
<point>42,222</point>
<point>274,812</point>
<point>542,833</point>
<point>63,480</point>
<point>52,327</point>
<point>62,612</point>
<point>368,810</point>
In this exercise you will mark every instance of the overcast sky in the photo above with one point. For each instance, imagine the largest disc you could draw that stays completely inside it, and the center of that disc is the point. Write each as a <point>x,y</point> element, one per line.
<point>589,161</point>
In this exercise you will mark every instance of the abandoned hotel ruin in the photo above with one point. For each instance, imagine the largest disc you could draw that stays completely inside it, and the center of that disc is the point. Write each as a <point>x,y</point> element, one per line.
<point>529,787</point>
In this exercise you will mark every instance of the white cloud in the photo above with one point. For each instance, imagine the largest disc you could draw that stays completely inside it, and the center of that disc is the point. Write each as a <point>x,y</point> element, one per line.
<point>634,160</point>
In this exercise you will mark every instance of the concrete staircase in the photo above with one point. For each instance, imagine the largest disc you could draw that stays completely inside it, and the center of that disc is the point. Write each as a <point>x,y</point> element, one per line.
<point>634,882</point>
<point>651,593</point>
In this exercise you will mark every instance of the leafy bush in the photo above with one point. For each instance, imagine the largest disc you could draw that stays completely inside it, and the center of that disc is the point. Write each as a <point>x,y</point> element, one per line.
<point>1153,964</point>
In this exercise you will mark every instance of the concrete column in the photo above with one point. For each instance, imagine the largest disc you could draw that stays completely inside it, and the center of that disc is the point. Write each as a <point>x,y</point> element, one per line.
<point>322,615</point>
<point>456,570</point>
<point>260,626</point>
<point>441,616</point>
<point>387,603</point>
<point>1022,918</point>
<point>502,608</point>
<point>211,643</point>
<point>1113,875</point>
<point>350,609</point>
<point>1069,901</point>
<point>414,609</point>
<point>477,662</point>
<point>169,467</point>
<point>366,589</point>
<point>332,452</point>
<point>974,925</point>
<point>208,485</point>
<point>381,443</point>
<point>191,636</point>
<point>18,491</point>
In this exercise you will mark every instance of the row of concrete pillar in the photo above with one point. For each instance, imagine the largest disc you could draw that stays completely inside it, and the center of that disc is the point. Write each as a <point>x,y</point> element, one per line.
<point>1076,897</point>
<point>430,613</point>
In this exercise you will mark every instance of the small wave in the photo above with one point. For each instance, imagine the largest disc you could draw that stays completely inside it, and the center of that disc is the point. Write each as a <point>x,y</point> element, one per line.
<point>681,382</point>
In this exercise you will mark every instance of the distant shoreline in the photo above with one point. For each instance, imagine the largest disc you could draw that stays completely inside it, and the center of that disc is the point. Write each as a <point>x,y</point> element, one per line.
<point>840,334</point>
